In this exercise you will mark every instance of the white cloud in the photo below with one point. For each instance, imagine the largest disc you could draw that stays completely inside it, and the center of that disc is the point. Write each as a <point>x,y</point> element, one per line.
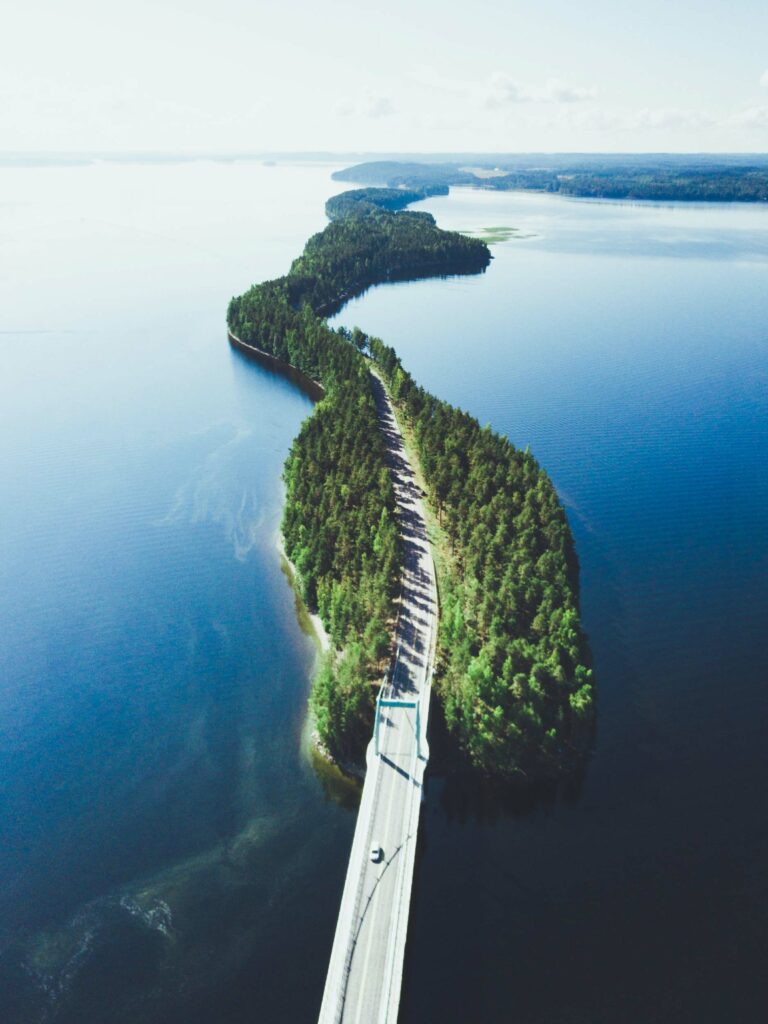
<point>752,117</point>
<point>764,79</point>
<point>369,105</point>
<point>501,89</point>
<point>426,77</point>
<point>561,92</point>
<point>377,106</point>
<point>646,122</point>
<point>345,107</point>
<point>670,117</point>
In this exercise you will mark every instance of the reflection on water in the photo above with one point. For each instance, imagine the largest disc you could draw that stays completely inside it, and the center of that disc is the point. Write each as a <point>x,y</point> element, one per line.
<point>217,492</point>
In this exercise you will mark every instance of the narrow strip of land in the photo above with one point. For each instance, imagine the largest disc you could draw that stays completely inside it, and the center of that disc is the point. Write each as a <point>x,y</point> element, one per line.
<point>366,966</point>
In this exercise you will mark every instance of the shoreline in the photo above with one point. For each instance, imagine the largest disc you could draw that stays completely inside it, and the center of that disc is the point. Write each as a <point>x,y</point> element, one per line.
<point>321,636</point>
<point>311,387</point>
<point>314,745</point>
<point>316,391</point>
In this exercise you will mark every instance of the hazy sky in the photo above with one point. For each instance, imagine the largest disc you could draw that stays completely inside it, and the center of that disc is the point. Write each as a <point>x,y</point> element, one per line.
<point>425,75</point>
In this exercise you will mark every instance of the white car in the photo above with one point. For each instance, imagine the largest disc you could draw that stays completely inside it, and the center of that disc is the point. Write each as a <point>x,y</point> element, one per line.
<point>376,853</point>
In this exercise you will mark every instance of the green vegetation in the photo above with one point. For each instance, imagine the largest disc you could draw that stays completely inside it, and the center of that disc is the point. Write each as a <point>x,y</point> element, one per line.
<point>339,525</point>
<point>514,679</point>
<point>361,201</point>
<point>666,178</point>
<point>513,676</point>
<point>721,186</point>
<point>353,253</point>
<point>493,235</point>
<point>411,175</point>
<point>340,533</point>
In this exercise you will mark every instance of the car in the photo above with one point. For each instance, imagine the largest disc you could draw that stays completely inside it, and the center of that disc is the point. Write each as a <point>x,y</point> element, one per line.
<point>376,853</point>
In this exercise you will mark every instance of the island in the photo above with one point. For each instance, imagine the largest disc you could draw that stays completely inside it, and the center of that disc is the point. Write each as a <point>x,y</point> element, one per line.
<point>513,672</point>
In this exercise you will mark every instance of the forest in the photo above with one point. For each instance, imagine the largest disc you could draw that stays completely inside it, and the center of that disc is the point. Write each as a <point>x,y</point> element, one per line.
<point>353,253</point>
<point>695,178</point>
<point>361,201</point>
<point>513,663</point>
<point>514,677</point>
<point>339,527</point>
<point>340,533</point>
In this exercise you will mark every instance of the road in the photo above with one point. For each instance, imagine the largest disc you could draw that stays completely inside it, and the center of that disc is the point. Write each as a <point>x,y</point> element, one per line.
<point>366,965</point>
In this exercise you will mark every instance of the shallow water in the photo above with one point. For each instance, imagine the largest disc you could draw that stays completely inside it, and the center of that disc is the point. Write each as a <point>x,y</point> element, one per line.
<point>628,346</point>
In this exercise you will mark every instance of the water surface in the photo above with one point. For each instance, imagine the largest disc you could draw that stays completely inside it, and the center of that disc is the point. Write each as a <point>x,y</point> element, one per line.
<point>167,852</point>
<point>628,346</point>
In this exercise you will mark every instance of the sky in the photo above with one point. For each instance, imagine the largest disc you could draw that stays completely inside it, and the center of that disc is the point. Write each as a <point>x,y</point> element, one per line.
<point>503,76</point>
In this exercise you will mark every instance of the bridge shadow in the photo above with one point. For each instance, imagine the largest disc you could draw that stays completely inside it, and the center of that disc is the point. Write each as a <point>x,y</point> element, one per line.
<point>400,771</point>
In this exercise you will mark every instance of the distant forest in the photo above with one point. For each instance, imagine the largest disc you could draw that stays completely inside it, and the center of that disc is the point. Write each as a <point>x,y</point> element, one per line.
<point>362,201</point>
<point>514,675</point>
<point>692,179</point>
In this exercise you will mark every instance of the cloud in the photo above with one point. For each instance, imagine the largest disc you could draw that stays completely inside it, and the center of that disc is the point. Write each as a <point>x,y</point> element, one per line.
<point>43,113</point>
<point>501,89</point>
<point>369,105</point>
<point>752,117</point>
<point>764,79</point>
<point>377,106</point>
<point>670,117</point>
<point>620,122</point>
<point>345,107</point>
<point>425,76</point>
<point>561,92</point>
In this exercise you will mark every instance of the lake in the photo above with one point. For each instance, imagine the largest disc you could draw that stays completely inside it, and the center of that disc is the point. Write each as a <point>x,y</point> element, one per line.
<point>628,346</point>
<point>169,852</point>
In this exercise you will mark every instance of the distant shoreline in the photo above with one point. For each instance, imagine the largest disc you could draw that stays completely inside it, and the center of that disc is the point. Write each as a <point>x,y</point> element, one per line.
<point>692,178</point>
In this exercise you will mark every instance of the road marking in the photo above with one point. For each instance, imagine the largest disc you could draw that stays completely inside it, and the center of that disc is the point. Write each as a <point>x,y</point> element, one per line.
<point>377,901</point>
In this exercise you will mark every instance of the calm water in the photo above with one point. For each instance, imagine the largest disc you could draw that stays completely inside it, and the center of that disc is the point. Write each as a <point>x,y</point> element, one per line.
<point>168,853</point>
<point>628,345</point>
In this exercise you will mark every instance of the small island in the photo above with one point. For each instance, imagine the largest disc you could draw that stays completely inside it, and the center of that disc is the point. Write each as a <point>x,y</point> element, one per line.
<point>512,674</point>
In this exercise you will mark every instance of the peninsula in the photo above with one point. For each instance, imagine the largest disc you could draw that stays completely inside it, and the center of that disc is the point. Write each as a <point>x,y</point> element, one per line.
<point>512,664</point>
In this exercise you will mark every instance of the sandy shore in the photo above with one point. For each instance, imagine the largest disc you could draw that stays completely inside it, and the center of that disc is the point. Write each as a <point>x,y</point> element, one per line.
<point>317,624</point>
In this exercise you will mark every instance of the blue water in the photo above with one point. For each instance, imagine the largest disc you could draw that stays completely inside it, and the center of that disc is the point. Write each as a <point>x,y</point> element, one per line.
<point>166,848</point>
<point>169,853</point>
<point>628,346</point>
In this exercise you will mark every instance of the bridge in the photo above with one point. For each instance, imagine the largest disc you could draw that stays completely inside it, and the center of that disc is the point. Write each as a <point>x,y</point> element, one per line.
<point>366,966</point>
